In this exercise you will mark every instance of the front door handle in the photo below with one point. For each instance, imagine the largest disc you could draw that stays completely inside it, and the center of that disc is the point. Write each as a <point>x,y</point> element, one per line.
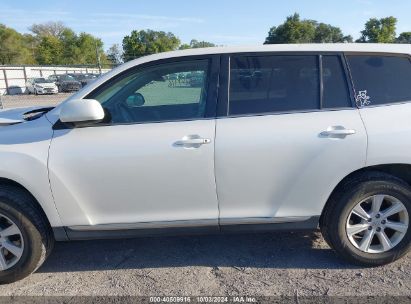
<point>337,132</point>
<point>192,141</point>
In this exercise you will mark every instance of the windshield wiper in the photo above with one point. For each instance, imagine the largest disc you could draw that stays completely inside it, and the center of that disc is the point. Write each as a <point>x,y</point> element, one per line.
<point>36,113</point>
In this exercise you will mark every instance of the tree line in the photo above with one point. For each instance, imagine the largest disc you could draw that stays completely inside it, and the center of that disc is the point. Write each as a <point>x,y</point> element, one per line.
<point>297,30</point>
<point>54,43</point>
<point>146,42</point>
<point>49,44</point>
<point>293,30</point>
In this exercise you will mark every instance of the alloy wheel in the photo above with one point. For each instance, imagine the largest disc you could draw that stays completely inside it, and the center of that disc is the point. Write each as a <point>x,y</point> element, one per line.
<point>11,243</point>
<point>377,224</point>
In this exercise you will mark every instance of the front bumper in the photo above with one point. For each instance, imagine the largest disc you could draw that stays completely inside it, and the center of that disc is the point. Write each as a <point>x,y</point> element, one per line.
<point>43,91</point>
<point>71,88</point>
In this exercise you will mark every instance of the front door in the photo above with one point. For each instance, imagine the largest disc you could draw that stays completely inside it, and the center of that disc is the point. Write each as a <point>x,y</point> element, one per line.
<point>151,161</point>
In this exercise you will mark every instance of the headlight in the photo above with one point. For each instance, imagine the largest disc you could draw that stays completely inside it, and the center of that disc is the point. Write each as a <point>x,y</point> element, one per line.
<point>39,87</point>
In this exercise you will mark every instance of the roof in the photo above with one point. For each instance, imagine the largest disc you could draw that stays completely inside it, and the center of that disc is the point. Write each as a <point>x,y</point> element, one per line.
<point>323,47</point>
<point>320,47</point>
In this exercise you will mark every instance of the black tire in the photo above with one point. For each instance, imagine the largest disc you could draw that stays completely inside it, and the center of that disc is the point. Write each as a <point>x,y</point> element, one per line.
<point>337,210</point>
<point>21,208</point>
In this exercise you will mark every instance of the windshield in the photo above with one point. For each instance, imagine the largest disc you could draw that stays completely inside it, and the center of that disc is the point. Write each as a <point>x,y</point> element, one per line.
<point>67,77</point>
<point>41,80</point>
<point>79,77</point>
<point>90,76</point>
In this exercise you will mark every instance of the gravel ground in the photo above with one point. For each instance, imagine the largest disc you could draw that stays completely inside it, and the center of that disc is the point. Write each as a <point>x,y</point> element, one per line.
<point>245,264</point>
<point>275,264</point>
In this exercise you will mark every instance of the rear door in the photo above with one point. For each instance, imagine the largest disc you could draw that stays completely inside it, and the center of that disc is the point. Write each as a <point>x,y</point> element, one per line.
<point>288,133</point>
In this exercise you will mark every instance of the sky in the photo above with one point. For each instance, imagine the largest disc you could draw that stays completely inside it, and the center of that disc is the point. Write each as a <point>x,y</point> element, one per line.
<point>224,22</point>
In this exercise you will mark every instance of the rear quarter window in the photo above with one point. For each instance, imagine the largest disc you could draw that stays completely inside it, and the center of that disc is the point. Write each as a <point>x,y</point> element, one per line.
<point>380,80</point>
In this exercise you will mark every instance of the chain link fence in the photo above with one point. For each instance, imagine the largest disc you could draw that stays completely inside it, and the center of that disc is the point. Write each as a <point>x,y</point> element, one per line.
<point>13,79</point>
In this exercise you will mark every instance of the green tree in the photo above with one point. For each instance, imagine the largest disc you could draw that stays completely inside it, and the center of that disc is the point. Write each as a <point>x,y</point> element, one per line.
<point>57,44</point>
<point>55,29</point>
<point>326,33</point>
<point>71,50</point>
<point>14,47</point>
<point>89,46</point>
<point>146,42</point>
<point>194,44</point>
<point>379,30</point>
<point>184,46</point>
<point>295,30</point>
<point>49,51</point>
<point>31,44</point>
<point>404,38</point>
<point>114,54</point>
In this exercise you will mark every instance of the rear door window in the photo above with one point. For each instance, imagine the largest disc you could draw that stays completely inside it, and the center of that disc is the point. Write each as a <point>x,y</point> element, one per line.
<point>380,79</point>
<point>266,84</point>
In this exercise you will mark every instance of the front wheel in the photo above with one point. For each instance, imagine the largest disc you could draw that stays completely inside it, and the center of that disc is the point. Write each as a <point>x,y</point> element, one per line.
<point>25,235</point>
<point>367,220</point>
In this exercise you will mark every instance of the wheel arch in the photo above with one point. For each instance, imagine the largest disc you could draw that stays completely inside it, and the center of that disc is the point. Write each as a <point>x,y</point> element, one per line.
<point>6,181</point>
<point>398,170</point>
<point>49,215</point>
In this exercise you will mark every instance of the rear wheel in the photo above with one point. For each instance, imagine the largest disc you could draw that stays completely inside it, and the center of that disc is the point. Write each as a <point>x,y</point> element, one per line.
<point>25,235</point>
<point>367,220</point>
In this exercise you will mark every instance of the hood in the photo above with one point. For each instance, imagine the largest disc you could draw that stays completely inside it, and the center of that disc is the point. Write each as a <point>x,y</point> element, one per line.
<point>70,82</point>
<point>46,85</point>
<point>18,115</point>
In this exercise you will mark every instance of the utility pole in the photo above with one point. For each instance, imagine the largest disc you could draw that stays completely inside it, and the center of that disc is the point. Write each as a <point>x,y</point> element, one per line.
<point>98,58</point>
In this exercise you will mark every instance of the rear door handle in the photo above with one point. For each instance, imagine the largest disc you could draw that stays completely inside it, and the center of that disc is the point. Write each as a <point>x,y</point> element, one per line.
<point>337,132</point>
<point>192,141</point>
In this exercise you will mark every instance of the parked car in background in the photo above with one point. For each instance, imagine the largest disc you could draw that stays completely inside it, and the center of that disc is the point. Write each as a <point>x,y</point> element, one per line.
<point>266,138</point>
<point>195,79</point>
<point>84,79</point>
<point>66,83</point>
<point>41,86</point>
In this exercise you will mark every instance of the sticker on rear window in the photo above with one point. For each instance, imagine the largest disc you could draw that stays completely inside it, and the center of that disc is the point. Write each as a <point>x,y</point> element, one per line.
<point>363,99</point>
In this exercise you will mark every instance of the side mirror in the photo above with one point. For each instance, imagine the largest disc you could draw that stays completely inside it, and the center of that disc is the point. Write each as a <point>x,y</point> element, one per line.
<point>135,100</point>
<point>82,110</point>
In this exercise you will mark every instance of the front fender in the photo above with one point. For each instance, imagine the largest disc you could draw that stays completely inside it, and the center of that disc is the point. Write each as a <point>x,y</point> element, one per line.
<point>24,149</point>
